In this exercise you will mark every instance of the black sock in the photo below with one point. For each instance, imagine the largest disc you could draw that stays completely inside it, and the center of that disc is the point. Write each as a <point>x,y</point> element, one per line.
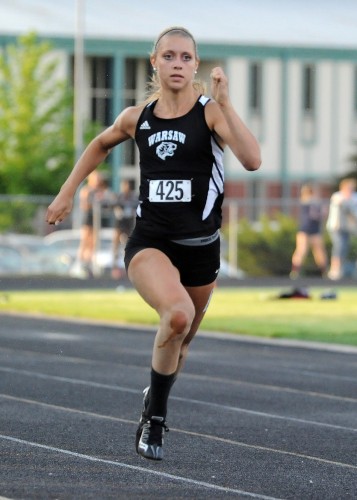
<point>159,393</point>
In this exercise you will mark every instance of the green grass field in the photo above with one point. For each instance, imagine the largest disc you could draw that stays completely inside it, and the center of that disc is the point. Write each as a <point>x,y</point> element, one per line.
<point>246,311</point>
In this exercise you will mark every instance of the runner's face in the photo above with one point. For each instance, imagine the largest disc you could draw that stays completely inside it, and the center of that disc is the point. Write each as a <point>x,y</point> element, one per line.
<point>175,61</point>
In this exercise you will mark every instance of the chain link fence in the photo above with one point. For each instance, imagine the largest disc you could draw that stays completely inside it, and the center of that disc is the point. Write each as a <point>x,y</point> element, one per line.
<point>23,217</point>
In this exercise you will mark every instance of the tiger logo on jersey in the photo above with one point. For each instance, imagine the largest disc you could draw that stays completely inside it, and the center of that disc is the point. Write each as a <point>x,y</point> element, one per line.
<point>166,149</point>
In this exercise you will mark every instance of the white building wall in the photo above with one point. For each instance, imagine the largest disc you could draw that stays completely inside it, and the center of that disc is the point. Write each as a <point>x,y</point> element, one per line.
<point>270,137</point>
<point>266,129</point>
<point>60,57</point>
<point>318,146</point>
<point>345,134</point>
<point>324,150</point>
<point>308,135</point>
<point>297,128</point>
<point>237,72</point>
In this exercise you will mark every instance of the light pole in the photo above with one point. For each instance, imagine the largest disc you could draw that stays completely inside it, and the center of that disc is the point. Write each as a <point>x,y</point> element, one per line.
<point>78,116</point>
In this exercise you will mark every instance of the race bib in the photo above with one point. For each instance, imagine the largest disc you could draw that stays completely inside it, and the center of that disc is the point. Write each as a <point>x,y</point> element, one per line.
<point>170,190</point>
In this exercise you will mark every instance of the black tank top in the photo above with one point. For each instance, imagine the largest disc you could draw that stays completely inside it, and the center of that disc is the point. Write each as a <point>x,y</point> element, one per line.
<point>181,168</point>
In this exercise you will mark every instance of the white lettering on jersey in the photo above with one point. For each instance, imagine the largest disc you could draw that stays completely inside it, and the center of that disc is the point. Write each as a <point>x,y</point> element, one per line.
<point>167,135</point>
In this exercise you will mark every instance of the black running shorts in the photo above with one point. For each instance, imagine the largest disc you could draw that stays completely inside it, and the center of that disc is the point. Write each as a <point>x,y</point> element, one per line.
<point>197,265</point>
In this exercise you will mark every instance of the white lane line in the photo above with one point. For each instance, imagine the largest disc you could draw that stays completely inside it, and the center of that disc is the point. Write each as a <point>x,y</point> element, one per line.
<point>265,415</point>
<point>136,468</point>
<point>331,376</point>
<point>177,398</point>
<point>279,388</point>
<point>69,380</point>
<point>190,433</point>
<point>269,387</point>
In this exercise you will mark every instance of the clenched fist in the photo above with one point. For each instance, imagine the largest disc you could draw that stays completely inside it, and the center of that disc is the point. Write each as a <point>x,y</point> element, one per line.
<point>219,86</point>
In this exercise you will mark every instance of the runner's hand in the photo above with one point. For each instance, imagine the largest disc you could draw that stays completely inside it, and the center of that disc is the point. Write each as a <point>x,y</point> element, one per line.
<point>59,209</point>
<point>219,86</point>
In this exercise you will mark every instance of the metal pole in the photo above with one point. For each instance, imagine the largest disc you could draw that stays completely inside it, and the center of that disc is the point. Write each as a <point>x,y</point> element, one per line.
<point>233,238</point>
<point>78,116</point>
<point>97,211</point>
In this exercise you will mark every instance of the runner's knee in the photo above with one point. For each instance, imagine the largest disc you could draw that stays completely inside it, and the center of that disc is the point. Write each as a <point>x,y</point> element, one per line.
<point>180,320</point>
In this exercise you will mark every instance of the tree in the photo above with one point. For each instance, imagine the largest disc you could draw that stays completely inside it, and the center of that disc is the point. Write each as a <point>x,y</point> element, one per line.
<point>36,120</point>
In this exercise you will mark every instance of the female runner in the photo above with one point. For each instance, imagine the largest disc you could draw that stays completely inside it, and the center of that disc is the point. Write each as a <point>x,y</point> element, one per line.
<point>173,254</point>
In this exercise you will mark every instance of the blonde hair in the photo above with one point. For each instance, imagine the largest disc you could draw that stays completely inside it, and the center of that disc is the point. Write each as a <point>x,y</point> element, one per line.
<point>153,86</point>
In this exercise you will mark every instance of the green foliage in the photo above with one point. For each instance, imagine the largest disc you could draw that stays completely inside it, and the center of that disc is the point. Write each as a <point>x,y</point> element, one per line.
<point>18,216</point>
<point>36,124</point>
<point>266,248</point>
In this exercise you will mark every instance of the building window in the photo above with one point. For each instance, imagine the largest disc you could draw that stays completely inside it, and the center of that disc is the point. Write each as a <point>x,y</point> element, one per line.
<point>256,87</point>
<point>308,88</point>
<point>101,71</point>
<point>308,104</point>
<point>130,100</point>
<point>137,74</point>
<point>98,89</point>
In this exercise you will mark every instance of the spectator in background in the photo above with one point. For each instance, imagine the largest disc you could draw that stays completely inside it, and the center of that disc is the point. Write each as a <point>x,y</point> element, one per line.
<point>94,199</point>
<point>341,224</point>
<point>104,200</point>
<point>124,220</point>
<point>309,234</point>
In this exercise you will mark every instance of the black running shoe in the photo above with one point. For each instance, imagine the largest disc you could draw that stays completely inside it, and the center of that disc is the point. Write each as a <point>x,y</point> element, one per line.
<point>146,397</point>
<point>144,416</point>
<point>149,437</point>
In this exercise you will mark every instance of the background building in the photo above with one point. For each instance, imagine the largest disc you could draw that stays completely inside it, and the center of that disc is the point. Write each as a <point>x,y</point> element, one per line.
<point>292,67</point>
